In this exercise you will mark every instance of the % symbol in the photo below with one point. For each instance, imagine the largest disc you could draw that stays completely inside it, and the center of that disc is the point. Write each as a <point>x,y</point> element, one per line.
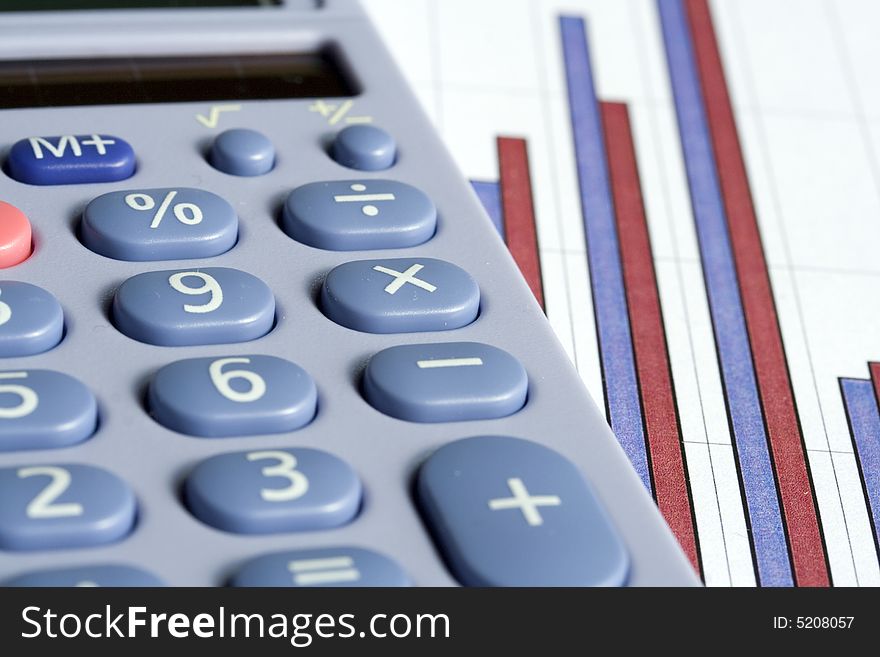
<point>186,213</point>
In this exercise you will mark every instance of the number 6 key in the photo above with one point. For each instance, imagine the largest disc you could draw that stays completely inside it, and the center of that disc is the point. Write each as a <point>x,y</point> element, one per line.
<point>212,305</point>
<point>233,396</point>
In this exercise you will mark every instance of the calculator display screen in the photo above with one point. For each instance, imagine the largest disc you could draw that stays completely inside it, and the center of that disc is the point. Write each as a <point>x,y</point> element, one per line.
<point>68,5</point>
<point>68,82</point>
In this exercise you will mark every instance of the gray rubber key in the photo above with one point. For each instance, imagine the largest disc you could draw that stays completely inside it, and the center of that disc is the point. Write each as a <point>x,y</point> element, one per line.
<point>351,215</point>
<point>511,512</point>
<point>445,382</point>
<point>364,147</point>
<point>343,566</point>
<point>400,295</point>
<point>205,305</point>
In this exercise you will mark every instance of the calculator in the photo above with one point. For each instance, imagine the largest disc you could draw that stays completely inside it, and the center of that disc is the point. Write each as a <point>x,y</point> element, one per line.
<point>256,330</point>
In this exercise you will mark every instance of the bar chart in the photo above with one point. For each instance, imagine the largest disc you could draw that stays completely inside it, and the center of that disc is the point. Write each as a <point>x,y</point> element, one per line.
<point>655,221</point>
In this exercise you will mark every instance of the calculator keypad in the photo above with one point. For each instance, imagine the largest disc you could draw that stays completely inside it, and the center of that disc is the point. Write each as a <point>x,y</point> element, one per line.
<point>511,512</point>
<point>42,409</point>
<point>207,305</point>
<point>159,224</point>
<point>63,506</point>
<point>15,235</point>
<point>31,319</point>
<point>87,576</point>
<point>503,511</point>
<point>71,159</point>
<point>351,215</point>
<point>343,566</point>
<point>445,382</point>
<point>274,490</point>
<point>400,295</point>
<point>233,396</point>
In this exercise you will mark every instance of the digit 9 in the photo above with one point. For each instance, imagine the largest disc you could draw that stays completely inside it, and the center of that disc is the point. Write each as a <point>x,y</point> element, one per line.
<point>209,286</point>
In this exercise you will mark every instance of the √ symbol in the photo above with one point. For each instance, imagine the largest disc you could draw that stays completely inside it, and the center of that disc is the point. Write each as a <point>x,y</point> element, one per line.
<point>186,213</point>
<point>369,210</point>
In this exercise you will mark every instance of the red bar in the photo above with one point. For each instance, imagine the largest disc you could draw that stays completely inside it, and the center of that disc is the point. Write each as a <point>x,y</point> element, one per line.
<point>519,211</point>
<point>774,384</point>
<point>665,448</point>
<point>875,378</point>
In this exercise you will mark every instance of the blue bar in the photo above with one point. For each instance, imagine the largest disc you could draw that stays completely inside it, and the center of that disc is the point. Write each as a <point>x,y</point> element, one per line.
<point>489,194</point>
<point>603,253</point>
<point>728,319</point>
<point>864,423</point>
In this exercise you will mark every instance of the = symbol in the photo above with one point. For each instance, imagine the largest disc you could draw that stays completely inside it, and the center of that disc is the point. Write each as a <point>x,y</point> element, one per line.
<point>332,570</point>
<point>369,210</point>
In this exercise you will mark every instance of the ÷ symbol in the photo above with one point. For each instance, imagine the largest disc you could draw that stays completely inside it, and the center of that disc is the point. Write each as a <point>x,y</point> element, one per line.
<point>368,209</point>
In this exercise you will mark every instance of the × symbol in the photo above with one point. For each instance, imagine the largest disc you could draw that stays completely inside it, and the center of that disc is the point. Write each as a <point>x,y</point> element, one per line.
<point>402,278</point>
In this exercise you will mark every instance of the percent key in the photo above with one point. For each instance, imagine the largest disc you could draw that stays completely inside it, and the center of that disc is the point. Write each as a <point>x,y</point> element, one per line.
<point>159,224</point>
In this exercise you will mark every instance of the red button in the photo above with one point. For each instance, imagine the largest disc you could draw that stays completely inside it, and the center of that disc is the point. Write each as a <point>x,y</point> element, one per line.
<point>15,235</point>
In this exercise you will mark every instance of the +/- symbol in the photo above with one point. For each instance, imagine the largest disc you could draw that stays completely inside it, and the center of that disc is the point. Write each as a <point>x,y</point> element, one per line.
<point>186,213</point>
<point>335,113</point>
<point>369,210</point>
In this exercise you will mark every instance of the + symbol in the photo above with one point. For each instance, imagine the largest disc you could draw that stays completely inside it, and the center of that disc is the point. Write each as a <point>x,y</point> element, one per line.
<point>527,504</point>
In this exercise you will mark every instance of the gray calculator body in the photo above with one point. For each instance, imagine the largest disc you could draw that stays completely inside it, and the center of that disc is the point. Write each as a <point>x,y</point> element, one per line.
<point>170,143</point>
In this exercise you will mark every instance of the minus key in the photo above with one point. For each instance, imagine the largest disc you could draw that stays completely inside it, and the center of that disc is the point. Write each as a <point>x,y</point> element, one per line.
<point>447,382</point>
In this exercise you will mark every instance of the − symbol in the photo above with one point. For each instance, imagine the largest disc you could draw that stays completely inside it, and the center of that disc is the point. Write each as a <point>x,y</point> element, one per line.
<point>310,572</point>
<point>369,210</point>
<point>186,213</point>
<point>401,278</point>
<point>435,363</point>
<point>527,504</point>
